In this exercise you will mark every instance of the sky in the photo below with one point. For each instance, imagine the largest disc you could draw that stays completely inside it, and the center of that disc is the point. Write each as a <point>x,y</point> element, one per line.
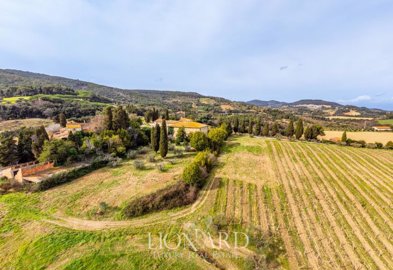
<point>338,50</point>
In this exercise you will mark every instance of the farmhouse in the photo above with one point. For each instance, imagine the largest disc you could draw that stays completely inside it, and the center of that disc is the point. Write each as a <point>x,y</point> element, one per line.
<point>32,172</point>
<point>188,124</point>
<point>382,128</point>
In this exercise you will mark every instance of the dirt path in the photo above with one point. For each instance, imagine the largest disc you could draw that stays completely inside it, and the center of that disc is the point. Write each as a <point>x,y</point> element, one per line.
<point>159,218</point>
<point>262,216</point>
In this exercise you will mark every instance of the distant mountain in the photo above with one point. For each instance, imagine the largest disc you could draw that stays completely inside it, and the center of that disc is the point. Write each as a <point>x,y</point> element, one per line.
<point>318,102</point>
<point>9,78</point>
<point>303,102</point>
<point>269,103</point>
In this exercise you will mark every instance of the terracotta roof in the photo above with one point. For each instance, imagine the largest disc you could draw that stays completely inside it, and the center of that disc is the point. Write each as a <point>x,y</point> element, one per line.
<point>382,127</point>
<point>184,122</point>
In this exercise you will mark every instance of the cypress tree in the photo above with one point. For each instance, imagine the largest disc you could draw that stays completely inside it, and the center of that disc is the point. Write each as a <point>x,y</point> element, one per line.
<point>250,127</point>
<point>8,150</point>
<point>308,134</point>
<point>290,129</point>
<point>153,139</point>
<point>108,118</point>
<point>275,129</point>
<point>236,125</point>
<point>24,149</point>
<point>62,120</point>
<point>257,130</point>
<point>166,114</point>
<point>243,126</point>
<point>299,129</point>
<point>120,119</point>
<point>344,137</point>
<point>265,131</point>
<point>39,137</point>
<point>163,139</point>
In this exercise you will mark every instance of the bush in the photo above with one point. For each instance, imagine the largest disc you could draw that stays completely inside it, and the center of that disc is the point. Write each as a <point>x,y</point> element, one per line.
<point>115,162</point>
<point>139,165</point>
<point>199,141</point>
<point>151,158</point>
<point>192,174</point>
<point>162,168</point>
<point>178,152</point>
<point>389,145</point>
<point>143,150</point>
<point>171,197</point>
<point>132,154</point>
<point>217,136</point>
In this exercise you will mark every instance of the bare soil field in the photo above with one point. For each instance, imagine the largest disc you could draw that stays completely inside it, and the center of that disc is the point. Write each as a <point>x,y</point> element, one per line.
<point>10,125</point>
<point>368,137</point>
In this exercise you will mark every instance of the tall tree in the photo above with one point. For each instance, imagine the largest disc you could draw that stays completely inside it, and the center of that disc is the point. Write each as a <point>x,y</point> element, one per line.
<point>242,126</point>
<point>8,150</point>
<point>344,137</point>
<point>153,138</point>
<point>163,139</point>
<point>120,119</point>
<point>250,126</point>
<point>265,131</point>
<point>181,136</point>
<point>299,129</point>
<point>108,118</point>
<point>62,120</point>
<point>24,148</point>
<point>236,124</point>
<point>257,130</point>
<point>166,114</point>
<point>275,129</point>
<point>290,131</point>
<point>39,137</point>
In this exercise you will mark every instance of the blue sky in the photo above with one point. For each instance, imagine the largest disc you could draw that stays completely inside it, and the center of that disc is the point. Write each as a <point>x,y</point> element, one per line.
<point>251,49</point>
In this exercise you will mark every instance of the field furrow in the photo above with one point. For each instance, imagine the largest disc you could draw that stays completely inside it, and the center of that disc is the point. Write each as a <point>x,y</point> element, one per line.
<point>323,213</point>
<point>310,251</point>
<point>319,235</point>
<point>337,214</point>
<point>353,220</point>
<point>263,219</point>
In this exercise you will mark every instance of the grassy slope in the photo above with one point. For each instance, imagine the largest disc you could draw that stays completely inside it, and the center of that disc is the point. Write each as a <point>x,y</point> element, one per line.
<point>319,198</point>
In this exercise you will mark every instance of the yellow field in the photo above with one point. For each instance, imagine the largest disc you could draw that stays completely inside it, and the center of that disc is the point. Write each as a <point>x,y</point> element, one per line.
<point>369,137</point>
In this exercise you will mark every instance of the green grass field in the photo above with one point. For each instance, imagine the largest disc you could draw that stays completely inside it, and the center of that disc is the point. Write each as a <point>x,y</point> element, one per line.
<point>81,97</point>
<point>327,206</point>
<point>386,122</point>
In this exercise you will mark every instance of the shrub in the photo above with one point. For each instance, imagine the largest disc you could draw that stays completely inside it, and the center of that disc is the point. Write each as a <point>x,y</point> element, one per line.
<point>139,165</point>
<point>132,154</point>
<point>151,158</point>
<point>170,197</point>
<point>199,141</point>
<point>216,137</point>
<point>389,145</point>
<point>162,168</point>
<point>192,174</point>
<point>143,150</point>
<point>115,162</point>
<point>178,152</point>
<point>379,145</point>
